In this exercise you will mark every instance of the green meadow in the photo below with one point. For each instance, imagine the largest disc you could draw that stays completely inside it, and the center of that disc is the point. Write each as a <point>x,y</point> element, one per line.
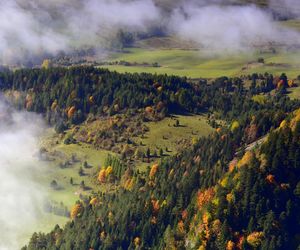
<point>163,134</point>
<point>196,64</point>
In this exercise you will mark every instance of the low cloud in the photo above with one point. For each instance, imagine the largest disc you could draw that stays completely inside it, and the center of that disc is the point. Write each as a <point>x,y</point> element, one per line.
<point>21,197</point>
<point>36,29</point>
<point>287,8</point>
<point>32,28</point>
<point>229,28</point>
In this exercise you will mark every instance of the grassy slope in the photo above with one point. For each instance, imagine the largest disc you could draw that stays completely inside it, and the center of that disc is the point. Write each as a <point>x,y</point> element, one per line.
<point>294,24</point>
<point>177,61</point>
<point>190,127</point>
<point>194,64</point>
<point>295,93</point>
<point>181,58</point>
<point>163,135</point>
<point>68,193</point>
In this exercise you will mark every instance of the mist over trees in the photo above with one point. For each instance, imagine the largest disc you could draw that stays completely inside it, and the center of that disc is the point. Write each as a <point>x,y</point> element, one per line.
<point>33,30</point>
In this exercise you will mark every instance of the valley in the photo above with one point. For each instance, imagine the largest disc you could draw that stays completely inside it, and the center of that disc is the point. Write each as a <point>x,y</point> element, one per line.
<point>150,124</point>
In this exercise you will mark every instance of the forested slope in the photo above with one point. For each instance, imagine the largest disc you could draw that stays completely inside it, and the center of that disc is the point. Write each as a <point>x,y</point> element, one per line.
<point>214,195</point>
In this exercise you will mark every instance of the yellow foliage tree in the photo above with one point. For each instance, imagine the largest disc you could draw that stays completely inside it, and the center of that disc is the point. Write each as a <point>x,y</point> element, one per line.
<point>129,183</point>
<point>46,64</point>
<point>108,171</point>
<point>76,210</point>
<point>153,171</point>
<point>93,201</point>
<point>295,119</point>
<point>235,125</point>
<point>91,100</point>
<point>247,157</point>
<point>283,124</point>
<point>194,141</point>
<point>137,241</point>
<point>102,235</point>
<point>224,182</point>
<point>291,83</point>
<point>229,197</point>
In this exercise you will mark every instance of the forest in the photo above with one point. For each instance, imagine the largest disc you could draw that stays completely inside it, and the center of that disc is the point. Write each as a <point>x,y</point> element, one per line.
<point>238,188</point>
<point>150,124</point>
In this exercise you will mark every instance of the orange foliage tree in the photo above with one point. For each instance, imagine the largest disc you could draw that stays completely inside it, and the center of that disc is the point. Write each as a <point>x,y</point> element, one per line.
<point>204,197</point>
<point>230,245</point>
<point>270,179</point>
<point>102,176</point>
<point>254,239</point>
<point>71,112</point>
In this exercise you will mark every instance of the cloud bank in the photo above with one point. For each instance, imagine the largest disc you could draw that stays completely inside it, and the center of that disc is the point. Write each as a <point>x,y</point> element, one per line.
<point>229,28</point>
<point>35,28</point>
<point>32,28</point>
<point>21,197</point>
<point>287,8</point>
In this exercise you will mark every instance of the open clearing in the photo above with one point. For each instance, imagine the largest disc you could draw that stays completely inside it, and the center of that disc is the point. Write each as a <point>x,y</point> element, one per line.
<point>74,155</point>
<point>161,135</point>
<point>294,24</point>
<point>193,64</point>
<point>175,57</point>
<point>294,93</point>
<point>164,134</point>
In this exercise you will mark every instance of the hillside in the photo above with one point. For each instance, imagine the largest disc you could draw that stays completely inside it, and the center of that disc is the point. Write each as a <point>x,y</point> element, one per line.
<point>191,196</point>
<point>219,185</point>
<point>150,124</point>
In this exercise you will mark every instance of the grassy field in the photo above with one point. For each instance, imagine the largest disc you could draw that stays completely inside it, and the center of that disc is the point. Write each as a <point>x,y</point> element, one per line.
<point>164,134</point>
<point>67,193</point>
<point>196,64</point>
<point>294,24</point>
<point>45,223</point>
<point>294,93</point>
